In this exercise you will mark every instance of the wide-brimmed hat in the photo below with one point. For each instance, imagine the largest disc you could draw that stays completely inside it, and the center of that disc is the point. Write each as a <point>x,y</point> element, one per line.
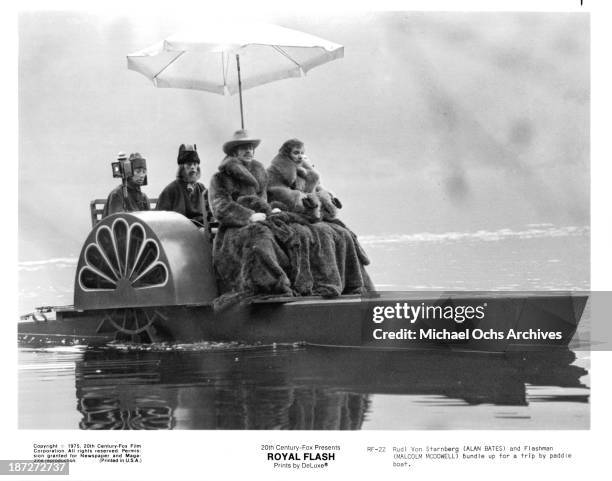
<point>240,137</point>
<point>138,161</point>
<point>188,153</point>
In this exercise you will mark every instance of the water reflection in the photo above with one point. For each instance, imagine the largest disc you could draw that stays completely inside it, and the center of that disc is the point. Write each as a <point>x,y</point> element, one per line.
<point>297,388</point>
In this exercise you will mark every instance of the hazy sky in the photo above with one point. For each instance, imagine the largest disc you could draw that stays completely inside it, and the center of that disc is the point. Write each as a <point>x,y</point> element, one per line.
<point>431,122</point>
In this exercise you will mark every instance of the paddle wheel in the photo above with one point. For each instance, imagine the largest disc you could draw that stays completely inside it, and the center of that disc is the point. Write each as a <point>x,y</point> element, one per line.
<point>132,264</point>
<point>134,324</point>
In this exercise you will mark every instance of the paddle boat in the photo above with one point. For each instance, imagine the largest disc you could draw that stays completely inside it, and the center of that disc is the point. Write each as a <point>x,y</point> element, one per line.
<point>148,277</point>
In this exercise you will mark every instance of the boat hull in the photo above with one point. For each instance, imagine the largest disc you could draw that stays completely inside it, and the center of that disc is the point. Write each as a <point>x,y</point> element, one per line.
<point>344,321</point>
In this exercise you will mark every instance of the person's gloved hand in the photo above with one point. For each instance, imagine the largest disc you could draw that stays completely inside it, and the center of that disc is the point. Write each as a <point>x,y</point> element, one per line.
<point>276,210</point>
<point>308,203</point>
<point>257,217</point>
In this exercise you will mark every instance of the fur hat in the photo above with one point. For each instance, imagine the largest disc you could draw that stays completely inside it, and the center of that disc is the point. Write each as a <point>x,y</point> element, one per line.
<point>187,153</point>
<point>240,137</point>
<point>138,161</point>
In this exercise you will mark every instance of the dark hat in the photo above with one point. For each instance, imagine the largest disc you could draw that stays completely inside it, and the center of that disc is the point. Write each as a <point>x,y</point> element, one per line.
<point>188,153</point>
<point>240,137</point>
<point>138,161</point>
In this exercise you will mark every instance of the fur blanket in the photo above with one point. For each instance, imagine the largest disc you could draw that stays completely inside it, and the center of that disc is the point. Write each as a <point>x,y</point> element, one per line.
<point>337,259</point>
<point>292,233</point>
<point>249,260</point>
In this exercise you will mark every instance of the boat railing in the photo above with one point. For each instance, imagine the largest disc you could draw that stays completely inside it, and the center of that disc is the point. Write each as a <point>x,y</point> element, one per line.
<point>96,209</point>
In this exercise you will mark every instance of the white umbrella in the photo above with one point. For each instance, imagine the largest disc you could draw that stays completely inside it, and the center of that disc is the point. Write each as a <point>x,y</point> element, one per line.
<point>226,58</point>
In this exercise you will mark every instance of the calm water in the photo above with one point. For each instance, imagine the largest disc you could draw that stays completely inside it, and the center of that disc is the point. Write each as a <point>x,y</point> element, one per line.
<point>205,386</point>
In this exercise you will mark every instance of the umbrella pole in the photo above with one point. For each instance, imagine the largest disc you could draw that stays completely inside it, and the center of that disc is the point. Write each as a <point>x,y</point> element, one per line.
<point>240,91</point>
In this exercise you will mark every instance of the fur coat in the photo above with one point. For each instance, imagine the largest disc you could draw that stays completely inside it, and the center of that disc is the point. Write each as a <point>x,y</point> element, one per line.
<point>289,183</point>
<point>236,179</point>
<point>247,259</point>
<point>336,259</point>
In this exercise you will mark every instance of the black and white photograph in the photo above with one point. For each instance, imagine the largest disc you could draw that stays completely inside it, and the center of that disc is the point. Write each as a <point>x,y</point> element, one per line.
<point>259,220</point>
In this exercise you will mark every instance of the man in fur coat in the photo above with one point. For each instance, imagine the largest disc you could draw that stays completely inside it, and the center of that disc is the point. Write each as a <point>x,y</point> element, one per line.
<point>186,195</point>
<point>135,199</point>
<point>294,184</point>
<point>247,258</point>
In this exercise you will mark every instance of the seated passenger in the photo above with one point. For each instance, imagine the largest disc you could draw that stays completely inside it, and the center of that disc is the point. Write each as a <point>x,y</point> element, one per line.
<point>186,195</point>
<point>247,258</point>
<point>132,199</point>
<point>295,185</point>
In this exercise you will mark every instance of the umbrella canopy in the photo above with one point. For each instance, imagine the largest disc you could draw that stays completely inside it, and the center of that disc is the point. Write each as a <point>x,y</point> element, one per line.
<point>226,58</point>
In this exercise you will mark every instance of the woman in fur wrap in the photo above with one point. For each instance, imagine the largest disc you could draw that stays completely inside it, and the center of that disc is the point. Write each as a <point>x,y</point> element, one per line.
<point>336,257</point>
<point>247,257</point>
